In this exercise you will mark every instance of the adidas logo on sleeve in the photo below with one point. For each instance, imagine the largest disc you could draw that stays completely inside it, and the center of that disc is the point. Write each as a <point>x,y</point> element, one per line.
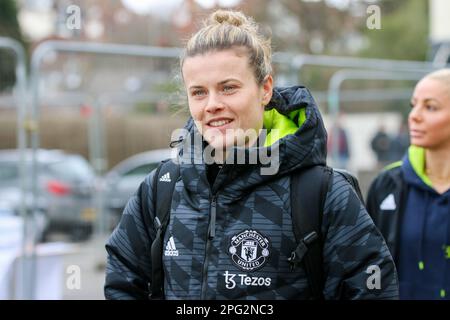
<point>165,177</point>
<point>171,250</point>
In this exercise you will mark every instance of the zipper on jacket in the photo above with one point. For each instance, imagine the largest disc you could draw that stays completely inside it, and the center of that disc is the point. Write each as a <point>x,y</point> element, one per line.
<point>209,237</point>
<point>212,220</point>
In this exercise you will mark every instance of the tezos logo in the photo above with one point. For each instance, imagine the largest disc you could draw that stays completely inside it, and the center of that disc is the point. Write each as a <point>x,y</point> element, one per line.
<point>249,250</point>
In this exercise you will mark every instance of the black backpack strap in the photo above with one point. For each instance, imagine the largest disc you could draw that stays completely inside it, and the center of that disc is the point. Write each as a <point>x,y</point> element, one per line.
<point>164,181</point>
<point>351,179</point>
<point>308,192</point>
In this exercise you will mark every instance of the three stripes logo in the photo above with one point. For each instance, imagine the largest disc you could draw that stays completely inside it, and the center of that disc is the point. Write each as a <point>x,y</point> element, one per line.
<point>165,177</point>
<point>171,250</point>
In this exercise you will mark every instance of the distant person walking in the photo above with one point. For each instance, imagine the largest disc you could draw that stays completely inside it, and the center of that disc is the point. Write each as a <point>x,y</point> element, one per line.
<point>381,144</point>
<point>400,143</point>
<point>341,151</point>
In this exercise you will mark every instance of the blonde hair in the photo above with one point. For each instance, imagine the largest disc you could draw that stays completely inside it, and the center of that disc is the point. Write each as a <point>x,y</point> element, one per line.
<point>226,29</point>
<point>441,75</point>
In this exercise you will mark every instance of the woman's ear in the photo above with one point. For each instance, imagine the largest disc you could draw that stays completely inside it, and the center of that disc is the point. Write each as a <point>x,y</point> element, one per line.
<point>267,89</point>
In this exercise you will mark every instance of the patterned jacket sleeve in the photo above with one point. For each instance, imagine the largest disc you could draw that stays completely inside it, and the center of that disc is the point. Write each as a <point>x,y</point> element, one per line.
<point>357,262</point>
<point>128,269</point>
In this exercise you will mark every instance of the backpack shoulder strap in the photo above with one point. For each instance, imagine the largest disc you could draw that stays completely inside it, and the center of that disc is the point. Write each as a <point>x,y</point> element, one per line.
<point>308,192</point>
<point>164,181</point>
<point>351,179</point>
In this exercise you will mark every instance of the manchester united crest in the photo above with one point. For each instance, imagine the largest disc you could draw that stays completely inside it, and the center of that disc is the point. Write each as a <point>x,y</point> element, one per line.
<point>249,250</point>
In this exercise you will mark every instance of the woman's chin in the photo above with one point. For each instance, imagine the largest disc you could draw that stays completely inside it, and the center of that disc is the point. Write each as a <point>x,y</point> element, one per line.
<point>220,145</point>
<point>219,141</point>
<point>216,141</point>
<point>419,143</point>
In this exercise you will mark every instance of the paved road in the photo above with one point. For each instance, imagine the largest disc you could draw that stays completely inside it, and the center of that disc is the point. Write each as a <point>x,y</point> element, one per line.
<point>90,261</point>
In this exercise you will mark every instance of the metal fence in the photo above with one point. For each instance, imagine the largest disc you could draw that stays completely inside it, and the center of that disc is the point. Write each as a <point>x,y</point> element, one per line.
<point>19,101</point>
<point>32,96</point>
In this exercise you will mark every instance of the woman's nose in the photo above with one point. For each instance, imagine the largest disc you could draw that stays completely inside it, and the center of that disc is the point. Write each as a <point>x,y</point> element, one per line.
<point>415,114</point>
<point>214,104</point>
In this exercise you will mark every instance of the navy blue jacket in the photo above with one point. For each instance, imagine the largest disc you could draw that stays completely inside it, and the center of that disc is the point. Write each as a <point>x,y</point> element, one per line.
<point>415,221</point>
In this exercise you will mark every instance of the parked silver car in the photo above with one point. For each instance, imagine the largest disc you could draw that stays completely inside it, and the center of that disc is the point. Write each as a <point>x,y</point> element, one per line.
<point>11,199</point>
<point>123,180</point>
<point>65,189</point>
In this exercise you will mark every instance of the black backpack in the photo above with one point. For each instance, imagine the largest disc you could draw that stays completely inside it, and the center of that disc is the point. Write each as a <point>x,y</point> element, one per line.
<point>307,210</point>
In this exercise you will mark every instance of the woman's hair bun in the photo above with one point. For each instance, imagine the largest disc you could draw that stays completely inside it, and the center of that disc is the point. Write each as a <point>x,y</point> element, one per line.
<point>231,17</point>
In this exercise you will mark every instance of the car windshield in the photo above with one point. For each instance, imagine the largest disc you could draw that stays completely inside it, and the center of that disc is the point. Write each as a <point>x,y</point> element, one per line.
<point>73,168</point>
<point>141,170</point>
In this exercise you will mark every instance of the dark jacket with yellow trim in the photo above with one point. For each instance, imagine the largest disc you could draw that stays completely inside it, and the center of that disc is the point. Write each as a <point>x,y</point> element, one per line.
<point>389,182</point>
<point>247,257</point>
<point>415,221</point>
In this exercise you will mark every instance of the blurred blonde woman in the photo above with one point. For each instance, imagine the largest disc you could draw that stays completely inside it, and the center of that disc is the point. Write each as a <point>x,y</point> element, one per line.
<point>410,200</point>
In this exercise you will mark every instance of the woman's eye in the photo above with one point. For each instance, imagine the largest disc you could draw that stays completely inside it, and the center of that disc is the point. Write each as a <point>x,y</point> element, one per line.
<point>197,93</point>
<point>411,105</point>
<point>228,88</point>
<point>430,107</point>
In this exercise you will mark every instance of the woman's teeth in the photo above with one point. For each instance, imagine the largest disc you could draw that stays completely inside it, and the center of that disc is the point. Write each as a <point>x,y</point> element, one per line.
<point>219,123</point>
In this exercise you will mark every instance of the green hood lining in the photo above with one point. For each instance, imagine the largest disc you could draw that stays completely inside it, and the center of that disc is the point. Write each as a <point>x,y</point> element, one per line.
<point>393,165</point>
<point>284,125</point>
<point>416,157</point>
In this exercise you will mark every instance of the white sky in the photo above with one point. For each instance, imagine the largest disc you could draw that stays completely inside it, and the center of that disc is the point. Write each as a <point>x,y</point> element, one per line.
<point>159,7</point>
<point>166,7</point>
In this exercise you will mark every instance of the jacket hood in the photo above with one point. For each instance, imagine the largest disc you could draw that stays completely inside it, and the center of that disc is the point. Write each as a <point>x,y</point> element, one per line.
<point>413,168</point>
<point>296,138</point>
